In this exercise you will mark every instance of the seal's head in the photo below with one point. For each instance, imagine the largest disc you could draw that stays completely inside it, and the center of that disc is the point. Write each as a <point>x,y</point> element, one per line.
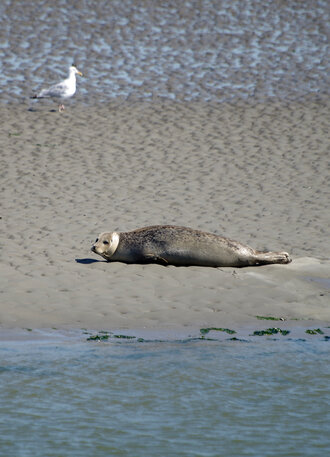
<point>106,244</point>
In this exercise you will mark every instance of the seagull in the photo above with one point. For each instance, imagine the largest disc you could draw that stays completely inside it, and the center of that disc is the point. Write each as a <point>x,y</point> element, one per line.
<point>62,90</point>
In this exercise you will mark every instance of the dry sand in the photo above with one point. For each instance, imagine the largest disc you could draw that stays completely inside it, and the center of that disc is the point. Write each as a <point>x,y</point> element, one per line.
<point>255,173</point>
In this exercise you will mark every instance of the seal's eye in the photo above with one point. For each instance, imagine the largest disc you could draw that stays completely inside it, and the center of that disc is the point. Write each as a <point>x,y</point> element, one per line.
<point>105,242</point>
<point>96,240</point>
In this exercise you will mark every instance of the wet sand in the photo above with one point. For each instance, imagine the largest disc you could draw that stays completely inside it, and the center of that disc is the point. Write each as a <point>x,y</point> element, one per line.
<point>255,173</point>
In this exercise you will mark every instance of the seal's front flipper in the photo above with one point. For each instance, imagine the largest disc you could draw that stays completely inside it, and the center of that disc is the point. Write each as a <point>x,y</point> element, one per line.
<point>156,259</point>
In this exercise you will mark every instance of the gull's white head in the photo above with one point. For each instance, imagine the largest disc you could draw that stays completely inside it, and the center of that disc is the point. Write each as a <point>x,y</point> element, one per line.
<point>106,244</point>
<point>75,71</point>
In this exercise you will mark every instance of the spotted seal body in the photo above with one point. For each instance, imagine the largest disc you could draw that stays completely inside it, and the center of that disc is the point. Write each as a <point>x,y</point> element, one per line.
<point>181,246</point>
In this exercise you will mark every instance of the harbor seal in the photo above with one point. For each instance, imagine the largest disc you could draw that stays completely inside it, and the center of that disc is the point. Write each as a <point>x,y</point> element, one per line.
<point>180,246</point>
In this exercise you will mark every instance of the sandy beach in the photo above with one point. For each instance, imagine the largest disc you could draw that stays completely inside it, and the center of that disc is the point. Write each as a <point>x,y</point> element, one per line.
<point>255,173</point>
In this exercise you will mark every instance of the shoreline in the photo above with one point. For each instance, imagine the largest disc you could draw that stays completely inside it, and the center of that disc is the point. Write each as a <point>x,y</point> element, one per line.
<point>266,327</point>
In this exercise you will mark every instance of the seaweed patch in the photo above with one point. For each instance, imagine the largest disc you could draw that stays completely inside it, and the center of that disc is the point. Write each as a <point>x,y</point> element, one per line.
<point>104,336</point>
<point>99,337</point>
<point>315,331</point>
<point>271,331</point>
<point>270,318</point>
<point>205,331</point>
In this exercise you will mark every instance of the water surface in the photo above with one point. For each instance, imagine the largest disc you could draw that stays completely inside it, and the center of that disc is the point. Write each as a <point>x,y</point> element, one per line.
<point>214,50</point>
<point>177,398</point>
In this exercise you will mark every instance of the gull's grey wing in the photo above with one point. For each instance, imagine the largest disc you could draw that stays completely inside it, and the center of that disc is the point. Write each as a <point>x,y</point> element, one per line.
<point>58,90</point>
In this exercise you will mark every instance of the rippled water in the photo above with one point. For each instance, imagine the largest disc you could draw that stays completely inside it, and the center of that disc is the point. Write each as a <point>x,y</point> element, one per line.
<point>209,50</point>
<point>174,398</point>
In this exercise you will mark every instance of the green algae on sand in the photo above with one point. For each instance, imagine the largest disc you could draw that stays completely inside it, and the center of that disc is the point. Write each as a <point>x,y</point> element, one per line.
<point>271,331</point>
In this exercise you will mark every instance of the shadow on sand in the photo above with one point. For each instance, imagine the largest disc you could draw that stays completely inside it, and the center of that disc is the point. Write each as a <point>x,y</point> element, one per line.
<point>88,261</point>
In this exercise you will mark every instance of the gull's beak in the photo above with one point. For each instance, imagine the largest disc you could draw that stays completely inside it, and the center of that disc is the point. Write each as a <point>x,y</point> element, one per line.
<point>79,73</point>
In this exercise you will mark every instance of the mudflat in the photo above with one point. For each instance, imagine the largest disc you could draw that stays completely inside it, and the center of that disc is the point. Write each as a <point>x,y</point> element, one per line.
<point>257,173</point>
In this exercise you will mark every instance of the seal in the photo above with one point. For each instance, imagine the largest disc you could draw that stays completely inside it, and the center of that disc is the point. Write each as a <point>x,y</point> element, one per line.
<point>180,246</point>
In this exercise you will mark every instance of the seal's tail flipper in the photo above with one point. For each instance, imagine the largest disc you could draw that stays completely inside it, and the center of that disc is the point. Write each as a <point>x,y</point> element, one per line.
<point>264,258</point>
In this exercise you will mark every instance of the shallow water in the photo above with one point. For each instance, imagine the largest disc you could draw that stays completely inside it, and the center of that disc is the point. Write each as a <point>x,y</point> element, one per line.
<point>210,50</point>
<point>173,398</point>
